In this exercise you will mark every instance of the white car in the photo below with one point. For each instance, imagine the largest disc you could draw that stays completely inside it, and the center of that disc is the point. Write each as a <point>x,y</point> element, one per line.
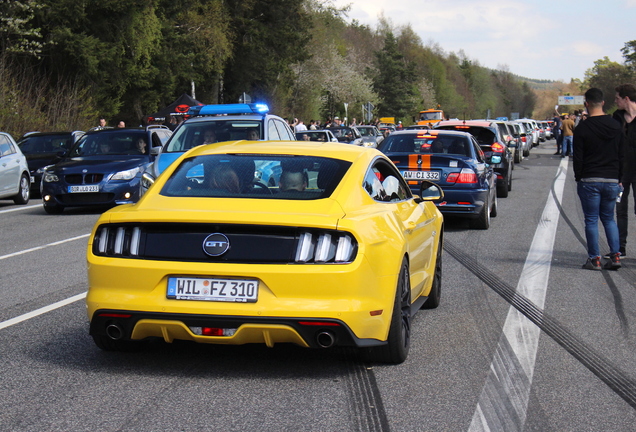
<point>15,181</point>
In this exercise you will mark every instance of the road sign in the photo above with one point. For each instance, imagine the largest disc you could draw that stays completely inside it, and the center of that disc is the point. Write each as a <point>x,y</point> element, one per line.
<point>571,100</point>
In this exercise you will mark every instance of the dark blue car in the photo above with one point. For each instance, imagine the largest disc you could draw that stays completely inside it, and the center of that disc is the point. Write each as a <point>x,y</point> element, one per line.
<point>454,161</point>
<point>102,169</point>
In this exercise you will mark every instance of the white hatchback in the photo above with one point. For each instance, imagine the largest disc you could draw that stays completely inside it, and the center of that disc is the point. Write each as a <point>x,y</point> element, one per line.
<point>15,181</point>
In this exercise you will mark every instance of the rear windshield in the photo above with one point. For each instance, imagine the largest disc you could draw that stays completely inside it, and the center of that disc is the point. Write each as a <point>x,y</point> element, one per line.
<point>119,143</point>
<point>256,176</point>
<point>483,135</point>
<point>194,134</point>
<point>426,144</point>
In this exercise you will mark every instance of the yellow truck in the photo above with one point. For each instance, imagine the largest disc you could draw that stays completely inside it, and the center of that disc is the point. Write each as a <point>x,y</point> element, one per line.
<point>430,117</point>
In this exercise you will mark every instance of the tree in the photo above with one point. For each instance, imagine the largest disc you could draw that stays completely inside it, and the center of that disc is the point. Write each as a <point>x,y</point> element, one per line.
<point>18,34</point>
<point>269,37</point>
<point>606,75</point>
<point>395,81</point>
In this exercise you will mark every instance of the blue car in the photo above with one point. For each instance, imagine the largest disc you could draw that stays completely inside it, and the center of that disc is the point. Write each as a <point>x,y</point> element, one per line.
<point>102,169</point>
<point>452,160</point>
<point>209,124</point>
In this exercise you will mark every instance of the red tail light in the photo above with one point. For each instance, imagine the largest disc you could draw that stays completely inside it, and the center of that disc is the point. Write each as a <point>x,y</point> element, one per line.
<point>497,148</point>
<point>524,139</point>
<point>465,176</point>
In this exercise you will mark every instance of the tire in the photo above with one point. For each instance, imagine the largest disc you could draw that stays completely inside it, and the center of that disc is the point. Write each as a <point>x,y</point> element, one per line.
<point>483,220</point>
<point>509,183</point>
<point>502,188</point>
<point>24,190</point>
<point>518,157</point>
<point>107,344</point>
<point>495,207</point>
<point>435,295</point>
<point>53,209</point>
<point>399,341</point>
<point>526,152</point>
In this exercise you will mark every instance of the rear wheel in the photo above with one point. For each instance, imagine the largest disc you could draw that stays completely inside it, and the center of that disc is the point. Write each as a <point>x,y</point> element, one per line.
<point>483,220</point>
<point>25,188</point>
<point>495,207</point>
<point>518,157</point>
<point>504,186</point>
<point>399,341</point>
<point>435,295</point>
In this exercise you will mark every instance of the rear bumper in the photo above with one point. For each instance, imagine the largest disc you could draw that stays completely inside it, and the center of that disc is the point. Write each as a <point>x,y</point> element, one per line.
<point>306,332</point>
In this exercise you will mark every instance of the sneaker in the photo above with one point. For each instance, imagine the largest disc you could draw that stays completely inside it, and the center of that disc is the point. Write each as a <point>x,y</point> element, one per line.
<point>593,263</point>
<point>614,262</point>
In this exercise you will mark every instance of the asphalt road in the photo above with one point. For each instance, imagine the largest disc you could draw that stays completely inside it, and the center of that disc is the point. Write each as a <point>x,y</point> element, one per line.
<point>524,339</point>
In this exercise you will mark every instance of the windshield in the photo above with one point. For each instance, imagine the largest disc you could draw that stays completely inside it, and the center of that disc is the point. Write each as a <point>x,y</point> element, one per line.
<point>46,143</point>
<point>256,176</point>
<point>343,134</point>
<point>484,136</point>
<point>431,116</point>
<point>366,131</point>
<point>213,130</point>
<point>111,143</point>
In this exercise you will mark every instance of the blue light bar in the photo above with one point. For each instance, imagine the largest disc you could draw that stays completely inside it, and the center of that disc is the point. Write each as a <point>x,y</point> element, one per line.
<point>219,109</point>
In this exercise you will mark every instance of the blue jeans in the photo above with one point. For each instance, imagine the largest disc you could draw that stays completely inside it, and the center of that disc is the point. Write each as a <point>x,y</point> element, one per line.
<point>567,145</point>
<point>599,200</point>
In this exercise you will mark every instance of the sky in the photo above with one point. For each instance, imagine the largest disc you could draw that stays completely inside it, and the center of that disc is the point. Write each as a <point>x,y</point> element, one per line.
<point>539,39</point>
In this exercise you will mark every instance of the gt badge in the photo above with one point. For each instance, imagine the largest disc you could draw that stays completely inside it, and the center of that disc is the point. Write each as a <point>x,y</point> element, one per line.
<point>216,244</point>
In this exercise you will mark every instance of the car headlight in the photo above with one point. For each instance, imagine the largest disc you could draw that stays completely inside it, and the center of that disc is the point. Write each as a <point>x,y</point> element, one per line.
<point>126,175</point>
<point>49,177</point>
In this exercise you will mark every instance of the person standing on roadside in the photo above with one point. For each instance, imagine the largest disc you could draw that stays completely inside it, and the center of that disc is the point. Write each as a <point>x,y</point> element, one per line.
<point>597,171</point>
<point>626,115</point>
<point>567,128</point>
<point>556,131</point>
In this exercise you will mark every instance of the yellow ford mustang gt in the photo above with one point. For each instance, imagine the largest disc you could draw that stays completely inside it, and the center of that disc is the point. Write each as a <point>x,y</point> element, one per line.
<point>332,249</point>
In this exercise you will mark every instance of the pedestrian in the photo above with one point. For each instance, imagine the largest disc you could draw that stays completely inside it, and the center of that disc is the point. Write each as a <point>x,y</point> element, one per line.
<point>300,126</point>
<point>556,131</point>
<point>567,127</point>
<point>597,171</point>
<point>626,115</point>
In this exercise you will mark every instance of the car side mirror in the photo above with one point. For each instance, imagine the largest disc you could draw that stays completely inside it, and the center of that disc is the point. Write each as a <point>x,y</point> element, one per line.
<point>494,160</point>
<point>430,191</point>
<point>512,143</point>
<point>154,151</point>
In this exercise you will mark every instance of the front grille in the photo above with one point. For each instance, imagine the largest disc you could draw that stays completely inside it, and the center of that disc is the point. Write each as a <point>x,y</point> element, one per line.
<point>83,178</point>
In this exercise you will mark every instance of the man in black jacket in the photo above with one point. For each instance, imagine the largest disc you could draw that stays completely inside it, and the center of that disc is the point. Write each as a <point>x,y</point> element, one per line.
<point>597,170</point>
<point>626,116</point>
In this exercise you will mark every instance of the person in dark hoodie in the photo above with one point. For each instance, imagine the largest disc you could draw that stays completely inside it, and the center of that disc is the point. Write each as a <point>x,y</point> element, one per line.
<point>626,115</point>
<point>597,171</point>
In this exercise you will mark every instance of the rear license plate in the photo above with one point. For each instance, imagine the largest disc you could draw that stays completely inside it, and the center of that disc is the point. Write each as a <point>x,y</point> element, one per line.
<point>213,289</point>
<point>420,175</point>
<point>83,188</point>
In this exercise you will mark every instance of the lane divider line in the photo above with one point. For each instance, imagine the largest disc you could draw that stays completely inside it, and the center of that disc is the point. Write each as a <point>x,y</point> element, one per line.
<point>42,310</point>
<point>509,381</point>
<point>11,255</point>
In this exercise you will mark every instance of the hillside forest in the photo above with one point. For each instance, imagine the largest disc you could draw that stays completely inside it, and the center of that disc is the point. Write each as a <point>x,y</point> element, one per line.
<point>65,63</point>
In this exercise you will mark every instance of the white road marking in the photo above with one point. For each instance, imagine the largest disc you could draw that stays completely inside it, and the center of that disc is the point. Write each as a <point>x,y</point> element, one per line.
<point>42,310</point>
<point>503,402</point>
<point>43,246</point>
<point>19,208</point>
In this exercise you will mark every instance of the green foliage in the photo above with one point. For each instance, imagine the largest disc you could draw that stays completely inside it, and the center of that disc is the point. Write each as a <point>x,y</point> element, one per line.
<point>124,59</point>
<point>395,82</point>
<point>606,75</point>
